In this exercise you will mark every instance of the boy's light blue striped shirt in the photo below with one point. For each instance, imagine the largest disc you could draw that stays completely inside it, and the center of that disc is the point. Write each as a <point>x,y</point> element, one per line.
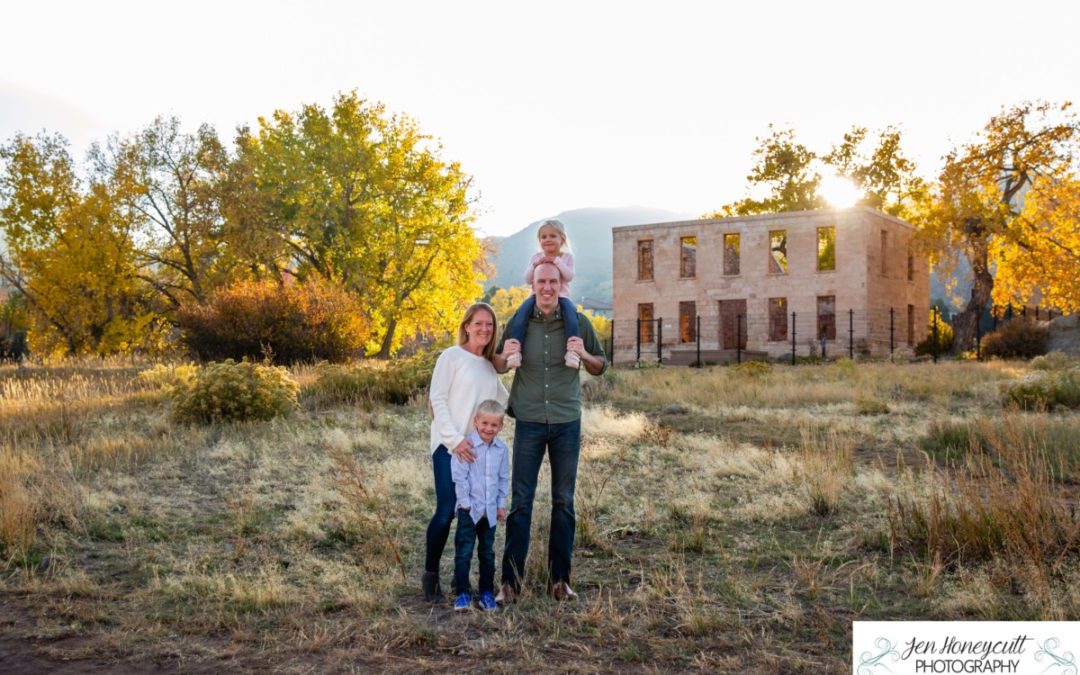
<point>482,486</point>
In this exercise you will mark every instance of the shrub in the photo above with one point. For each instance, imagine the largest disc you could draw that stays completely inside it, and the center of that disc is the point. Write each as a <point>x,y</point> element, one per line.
<point>1051,361</point>
<point>1044,390</point>
<point>167,378</point>
<point>753,369</point>
<point>290,323</point>
<point>945,339</point>
<point>866,405</point>
<point>394,382</point>
<point>1019,338</point>
<point>231,391</point>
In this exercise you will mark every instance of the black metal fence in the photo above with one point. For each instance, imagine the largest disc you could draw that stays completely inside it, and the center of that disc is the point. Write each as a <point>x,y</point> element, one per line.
<point>851,333</point>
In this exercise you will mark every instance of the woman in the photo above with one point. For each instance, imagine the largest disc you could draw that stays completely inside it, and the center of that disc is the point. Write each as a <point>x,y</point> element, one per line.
<point>464,376</point>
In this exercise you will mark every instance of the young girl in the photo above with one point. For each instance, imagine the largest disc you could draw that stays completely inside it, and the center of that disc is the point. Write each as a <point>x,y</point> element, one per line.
<point>554,249</point>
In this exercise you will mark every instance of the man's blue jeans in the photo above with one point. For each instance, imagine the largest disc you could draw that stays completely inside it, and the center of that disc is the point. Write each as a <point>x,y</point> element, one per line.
<point>563,444</point>
<point>468,534</point>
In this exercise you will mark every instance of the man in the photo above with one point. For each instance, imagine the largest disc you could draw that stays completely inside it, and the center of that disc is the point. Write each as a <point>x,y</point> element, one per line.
<point>545,399</point>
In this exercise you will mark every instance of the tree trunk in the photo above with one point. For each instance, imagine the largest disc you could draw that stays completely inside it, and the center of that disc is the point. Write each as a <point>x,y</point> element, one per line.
<point>965,323</point>
<point>388,339</point>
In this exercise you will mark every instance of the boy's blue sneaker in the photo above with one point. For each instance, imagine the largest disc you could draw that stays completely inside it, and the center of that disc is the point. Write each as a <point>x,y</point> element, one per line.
<point>463,602</point>
<point>487,602</point>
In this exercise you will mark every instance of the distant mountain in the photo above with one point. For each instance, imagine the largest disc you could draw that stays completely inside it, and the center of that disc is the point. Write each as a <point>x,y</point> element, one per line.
<point>590,238</point>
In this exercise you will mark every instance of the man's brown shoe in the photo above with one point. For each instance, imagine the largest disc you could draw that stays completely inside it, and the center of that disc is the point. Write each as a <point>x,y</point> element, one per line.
<point>505,596</point>
<point>561,591</point>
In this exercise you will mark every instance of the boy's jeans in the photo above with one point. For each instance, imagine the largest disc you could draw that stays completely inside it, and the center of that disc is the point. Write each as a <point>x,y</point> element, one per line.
<point>468,533</point>
<point>563,444</point>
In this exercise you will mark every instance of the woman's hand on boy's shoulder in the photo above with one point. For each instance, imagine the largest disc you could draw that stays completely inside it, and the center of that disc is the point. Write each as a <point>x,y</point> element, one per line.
<point>464,452</point>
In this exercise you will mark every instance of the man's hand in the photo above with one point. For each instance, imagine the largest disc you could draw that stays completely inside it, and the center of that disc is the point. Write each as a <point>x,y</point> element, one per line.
<point>500,514</point>
<point>464,452</point>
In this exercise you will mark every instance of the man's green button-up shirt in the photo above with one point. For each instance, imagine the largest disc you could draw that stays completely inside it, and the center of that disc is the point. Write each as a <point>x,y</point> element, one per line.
<point>544,389</point>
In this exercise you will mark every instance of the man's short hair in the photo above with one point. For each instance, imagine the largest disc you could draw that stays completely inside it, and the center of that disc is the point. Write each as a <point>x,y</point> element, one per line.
<point>490,407</point>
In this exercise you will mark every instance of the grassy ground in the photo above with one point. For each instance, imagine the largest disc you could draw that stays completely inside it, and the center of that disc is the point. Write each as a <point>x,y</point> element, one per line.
<point>727,521</point>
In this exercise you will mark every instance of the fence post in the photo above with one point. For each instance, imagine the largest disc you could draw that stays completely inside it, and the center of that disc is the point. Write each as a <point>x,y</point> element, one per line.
<point>934,342</point>
<point>851,334</point>
<point>697,334</point>
<point>892,330</point>
<point>659,341</point>
<point>637,339</point>
<point>793,338</point>
<point>738,338</point>
<point>611,344</point>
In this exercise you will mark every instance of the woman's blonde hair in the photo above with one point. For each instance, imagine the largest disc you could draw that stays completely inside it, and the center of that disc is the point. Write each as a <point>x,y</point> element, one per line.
<point>556,225</point>
<point>463,337</point>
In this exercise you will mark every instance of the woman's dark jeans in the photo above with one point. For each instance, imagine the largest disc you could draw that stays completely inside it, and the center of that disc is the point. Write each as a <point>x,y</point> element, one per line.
<point>468,533</point>
<point>438,530</point>
<point>562,443</point>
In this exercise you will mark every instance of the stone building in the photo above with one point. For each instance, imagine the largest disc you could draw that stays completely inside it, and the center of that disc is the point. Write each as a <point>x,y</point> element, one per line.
<point>842,280</point>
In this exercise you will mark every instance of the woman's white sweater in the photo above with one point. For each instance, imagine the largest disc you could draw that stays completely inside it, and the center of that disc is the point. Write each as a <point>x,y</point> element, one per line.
<point>461,381</point>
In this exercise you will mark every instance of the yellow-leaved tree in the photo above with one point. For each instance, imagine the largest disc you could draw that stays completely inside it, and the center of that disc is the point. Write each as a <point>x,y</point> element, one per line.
<point>1006,201</point>
<point>363,199</point>
<point>70,255</point>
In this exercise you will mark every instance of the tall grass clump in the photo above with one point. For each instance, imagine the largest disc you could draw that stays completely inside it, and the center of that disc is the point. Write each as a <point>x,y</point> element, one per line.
<point>827,467</point>
<point>1044,390</point>
<point>19,510</point>
<point>1005,504</point>
<point>231,391</point>
<point>1052,436</point>
<point>395,382</point>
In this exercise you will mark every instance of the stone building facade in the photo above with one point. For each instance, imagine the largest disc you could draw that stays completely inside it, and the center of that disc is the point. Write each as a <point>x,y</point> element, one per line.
<point>842,280</point>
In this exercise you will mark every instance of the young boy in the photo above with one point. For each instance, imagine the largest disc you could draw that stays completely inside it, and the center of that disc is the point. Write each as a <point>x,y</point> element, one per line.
<point>481,489</point>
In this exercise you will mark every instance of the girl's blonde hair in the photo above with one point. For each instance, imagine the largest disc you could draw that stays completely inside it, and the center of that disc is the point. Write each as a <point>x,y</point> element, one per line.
<point>556,225</point>
<point>463,337</point>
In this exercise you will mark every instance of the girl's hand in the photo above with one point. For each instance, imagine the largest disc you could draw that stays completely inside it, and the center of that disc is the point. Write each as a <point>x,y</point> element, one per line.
<point>576,345</point>
<point>464,452</point>
<point>511,346</point>
<point>500,514</point>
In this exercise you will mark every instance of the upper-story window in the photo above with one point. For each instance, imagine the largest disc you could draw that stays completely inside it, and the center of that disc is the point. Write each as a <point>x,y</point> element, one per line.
<point>910,266</point>
<point>688,257</point>
<point>731,254</point>
<point>778,252</point>
<point>644,260</point>
<point>826,249</point>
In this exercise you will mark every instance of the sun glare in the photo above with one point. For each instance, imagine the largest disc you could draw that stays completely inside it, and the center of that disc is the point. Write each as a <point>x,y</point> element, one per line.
<point>839,192</point>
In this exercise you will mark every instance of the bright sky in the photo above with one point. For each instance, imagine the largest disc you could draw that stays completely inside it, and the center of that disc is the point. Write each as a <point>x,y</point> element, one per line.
<point>555,105</point>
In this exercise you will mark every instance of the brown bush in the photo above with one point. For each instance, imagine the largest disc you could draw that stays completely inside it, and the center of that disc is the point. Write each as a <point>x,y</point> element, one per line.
<point>1019,338</point>
<point>313,321</point>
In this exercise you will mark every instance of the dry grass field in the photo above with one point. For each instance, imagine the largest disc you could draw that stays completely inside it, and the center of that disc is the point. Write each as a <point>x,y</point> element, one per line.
<point>729,520</point>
